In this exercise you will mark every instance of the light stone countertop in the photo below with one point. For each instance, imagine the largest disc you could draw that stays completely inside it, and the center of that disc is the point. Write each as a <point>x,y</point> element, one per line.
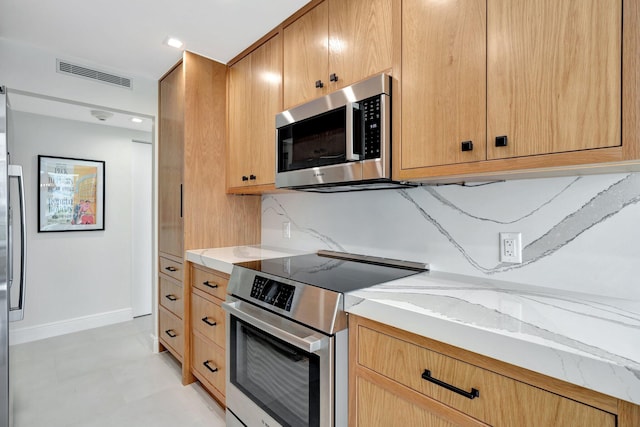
<point>588,340</point>
<point>222,259</point>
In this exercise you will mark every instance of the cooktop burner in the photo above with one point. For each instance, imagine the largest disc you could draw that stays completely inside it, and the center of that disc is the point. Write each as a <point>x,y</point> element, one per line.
<point>336,271</point>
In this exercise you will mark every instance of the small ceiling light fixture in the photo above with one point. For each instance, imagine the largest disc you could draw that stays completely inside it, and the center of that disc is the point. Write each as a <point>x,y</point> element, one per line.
<point>101,115</point>
<point>136,120</point>
<point>173,42</point>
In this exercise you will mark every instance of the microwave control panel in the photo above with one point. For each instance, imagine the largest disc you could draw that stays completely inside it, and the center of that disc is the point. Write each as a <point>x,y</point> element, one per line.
<point>272,292</point>
<point>371,109</point>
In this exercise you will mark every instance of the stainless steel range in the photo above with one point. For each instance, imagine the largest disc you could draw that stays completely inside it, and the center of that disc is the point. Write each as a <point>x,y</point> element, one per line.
<point>287,338</point>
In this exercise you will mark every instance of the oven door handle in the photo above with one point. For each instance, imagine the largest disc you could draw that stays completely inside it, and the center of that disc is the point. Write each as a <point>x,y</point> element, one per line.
<point>310,343</point>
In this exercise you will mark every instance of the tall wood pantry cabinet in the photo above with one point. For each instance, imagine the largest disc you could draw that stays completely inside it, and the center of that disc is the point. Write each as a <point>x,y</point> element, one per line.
<point>194,211</point>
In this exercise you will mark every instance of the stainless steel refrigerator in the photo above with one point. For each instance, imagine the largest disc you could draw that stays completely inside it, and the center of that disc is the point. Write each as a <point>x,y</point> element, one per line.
<point>12,237</point>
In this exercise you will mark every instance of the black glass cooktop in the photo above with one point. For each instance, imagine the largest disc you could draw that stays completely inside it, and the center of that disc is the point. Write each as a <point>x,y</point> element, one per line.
<point>335,274</point>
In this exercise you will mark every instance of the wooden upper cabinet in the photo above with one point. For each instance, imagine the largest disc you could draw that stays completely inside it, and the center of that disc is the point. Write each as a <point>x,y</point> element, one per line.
<point>305,56</point>
<point>554,75</point>
<point>347,39</point>
<point>443,82</point>
<point>545,74</point>
<point>255,98</point>
<point>170,158</point>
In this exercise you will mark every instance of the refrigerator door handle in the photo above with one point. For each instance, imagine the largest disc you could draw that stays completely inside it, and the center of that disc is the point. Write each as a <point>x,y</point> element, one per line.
<point>17,313</point>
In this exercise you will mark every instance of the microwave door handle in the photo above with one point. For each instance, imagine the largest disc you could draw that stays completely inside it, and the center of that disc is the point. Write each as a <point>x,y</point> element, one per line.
<point>351,109</point>
<point>17,313</point>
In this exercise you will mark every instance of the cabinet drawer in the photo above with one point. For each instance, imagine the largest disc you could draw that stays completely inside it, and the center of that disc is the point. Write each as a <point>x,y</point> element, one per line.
<point>171,331</point>
<point>208,319</point>
<point>171,268</point>
<point>208,360</point>
<point>500,401</point>
<point>210,281</point>
<point>171,296</point>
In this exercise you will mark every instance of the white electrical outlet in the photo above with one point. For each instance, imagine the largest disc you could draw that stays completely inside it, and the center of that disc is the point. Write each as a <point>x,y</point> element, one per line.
<point>286,230</point>
<point>511,248</point>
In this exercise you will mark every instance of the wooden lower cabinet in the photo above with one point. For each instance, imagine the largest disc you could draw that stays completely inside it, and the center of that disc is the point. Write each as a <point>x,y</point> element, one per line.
<point>171,333</point>
<point>386,380</point>
<point>206,355</point>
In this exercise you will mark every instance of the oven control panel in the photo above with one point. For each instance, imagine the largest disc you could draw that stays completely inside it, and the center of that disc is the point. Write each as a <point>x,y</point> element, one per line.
<point>272,292</point>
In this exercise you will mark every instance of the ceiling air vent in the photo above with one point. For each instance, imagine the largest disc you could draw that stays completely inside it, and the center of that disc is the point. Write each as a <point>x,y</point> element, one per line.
<point>65,67</point>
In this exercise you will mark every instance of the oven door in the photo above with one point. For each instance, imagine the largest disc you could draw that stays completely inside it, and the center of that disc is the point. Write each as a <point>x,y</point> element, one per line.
<point>279,373</point>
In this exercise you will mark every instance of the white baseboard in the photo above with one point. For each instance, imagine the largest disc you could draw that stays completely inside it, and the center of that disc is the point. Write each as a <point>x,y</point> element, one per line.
<point>48,330</point>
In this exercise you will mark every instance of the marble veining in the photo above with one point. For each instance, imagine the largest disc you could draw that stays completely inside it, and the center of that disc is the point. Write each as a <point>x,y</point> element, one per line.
<point>589,340</point>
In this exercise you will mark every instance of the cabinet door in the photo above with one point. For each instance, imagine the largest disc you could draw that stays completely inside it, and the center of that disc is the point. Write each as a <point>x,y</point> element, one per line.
<point>554,75</point>
<point>254,100</point>
<point>305,56</point>
<point>443,82</point>
<point>377,407</point>
<point>360,39</point>
<point>266,102</point>
<point>239,122</point>
<point>170,157</point>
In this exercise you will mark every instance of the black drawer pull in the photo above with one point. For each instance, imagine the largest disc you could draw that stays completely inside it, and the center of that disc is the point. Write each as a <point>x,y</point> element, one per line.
<point>212,286</point>
<point>206,365</point>
<point>467,146</point>
<point>171,297</point>
<point>206,320</point>
<point>426,375</point>
<point>501,141</point>
<point>333,77</point>
<point>245,178</point>
<point>319,84</point>
<point>252,177</point>
<point>171,333</point>
<point>172,269</point>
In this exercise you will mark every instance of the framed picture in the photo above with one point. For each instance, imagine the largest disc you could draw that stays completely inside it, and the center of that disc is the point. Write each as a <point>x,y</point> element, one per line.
<point>70,194</point>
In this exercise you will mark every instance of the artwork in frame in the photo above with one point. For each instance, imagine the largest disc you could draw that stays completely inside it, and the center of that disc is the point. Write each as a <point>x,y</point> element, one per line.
<point>70,194</point>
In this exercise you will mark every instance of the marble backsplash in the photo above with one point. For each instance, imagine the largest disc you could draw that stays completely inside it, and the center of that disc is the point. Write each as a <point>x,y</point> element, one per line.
<point>578,233</point>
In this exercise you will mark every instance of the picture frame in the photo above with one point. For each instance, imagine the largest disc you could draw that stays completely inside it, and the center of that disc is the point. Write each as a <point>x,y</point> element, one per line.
<point>70,194</point>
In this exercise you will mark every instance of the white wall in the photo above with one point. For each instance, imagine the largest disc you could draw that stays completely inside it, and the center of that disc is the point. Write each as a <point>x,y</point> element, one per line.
<point>76,280</point>
<point>31,69</point>
<point>579,233</point>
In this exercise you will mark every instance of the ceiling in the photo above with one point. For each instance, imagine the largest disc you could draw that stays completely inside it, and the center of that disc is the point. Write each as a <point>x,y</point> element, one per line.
<point>127,36</point>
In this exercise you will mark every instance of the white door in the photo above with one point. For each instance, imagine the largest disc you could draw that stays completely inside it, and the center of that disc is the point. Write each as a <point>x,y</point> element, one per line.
<point>141,268</point>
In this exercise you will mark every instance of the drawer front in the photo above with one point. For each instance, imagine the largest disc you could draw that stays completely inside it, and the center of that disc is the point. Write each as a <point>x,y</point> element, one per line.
<point>171,268</point>
<point>208,319</point>
<point>171,297</point>
<point>208,360</point>
<point>171,331</point>
<point>209,281</point>
<point>500,401</point>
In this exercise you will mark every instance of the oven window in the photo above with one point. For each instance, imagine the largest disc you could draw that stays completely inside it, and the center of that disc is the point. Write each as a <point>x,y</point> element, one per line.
<point>317,141</point>
<point>280,378</point>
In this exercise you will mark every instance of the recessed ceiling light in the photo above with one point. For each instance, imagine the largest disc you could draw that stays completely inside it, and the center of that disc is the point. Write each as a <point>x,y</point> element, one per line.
<point>136,120</point>
<point>173,42</point>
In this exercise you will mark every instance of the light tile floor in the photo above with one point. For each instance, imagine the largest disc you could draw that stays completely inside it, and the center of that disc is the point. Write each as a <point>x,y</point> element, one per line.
<point>105,377</point>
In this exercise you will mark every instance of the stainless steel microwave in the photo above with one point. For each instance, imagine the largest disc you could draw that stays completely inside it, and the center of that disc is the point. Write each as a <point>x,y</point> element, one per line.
<point>340,142</point>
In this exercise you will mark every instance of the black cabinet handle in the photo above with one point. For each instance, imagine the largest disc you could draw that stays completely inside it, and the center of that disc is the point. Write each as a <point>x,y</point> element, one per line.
<point>319,84</point>
<point>245,178</point>
<point>171,333</point>
<point>333,77</point>
<point>172,269</point>
<point>252,177</point>
<point>171,297</point>
<point>206,320</point>
<point>467,145</point>
<point>181,203</point>
<point>501,141</point>
<point>206,365</point>
<point>212,286</point>
<point>426,375</point>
